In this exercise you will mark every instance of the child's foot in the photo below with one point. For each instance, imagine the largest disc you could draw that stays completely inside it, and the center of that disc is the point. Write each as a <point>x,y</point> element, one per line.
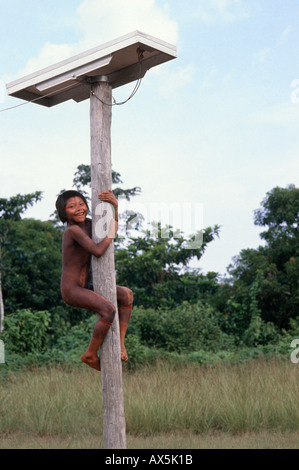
<point>91,361</point>
<point>124,354</point>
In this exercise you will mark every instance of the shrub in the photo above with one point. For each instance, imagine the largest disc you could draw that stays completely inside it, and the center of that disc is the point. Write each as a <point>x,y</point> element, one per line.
<point>184,328</point>
<point>26,331</point>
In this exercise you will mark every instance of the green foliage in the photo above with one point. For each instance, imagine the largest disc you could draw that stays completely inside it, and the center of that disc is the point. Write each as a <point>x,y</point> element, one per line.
<point>273,268</point>
<point>182,329</point>
<point>78,336</point>
<point>74,342</point>
<point>12,208</point>
<point>243,317</point>
<point>156,268</point>
<point>139,354</point>
<point>10,212</point>
<point>32,258</point>
<point>181,335</point>
<point>26,331</point>
<point>82,179</point>
<point>279,212</point>
<point>178,312</point>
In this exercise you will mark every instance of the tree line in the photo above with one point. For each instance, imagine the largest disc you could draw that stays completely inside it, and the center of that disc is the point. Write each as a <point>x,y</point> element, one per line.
<point>252,305</point>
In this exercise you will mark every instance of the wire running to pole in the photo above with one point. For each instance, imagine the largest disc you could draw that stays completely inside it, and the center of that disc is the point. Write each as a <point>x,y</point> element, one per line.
<point>35,99</point>
<point>115,103</point>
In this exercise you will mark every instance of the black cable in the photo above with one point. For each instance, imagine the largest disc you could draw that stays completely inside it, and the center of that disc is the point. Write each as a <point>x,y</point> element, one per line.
<point>36,99</point>
<point>136,88</point>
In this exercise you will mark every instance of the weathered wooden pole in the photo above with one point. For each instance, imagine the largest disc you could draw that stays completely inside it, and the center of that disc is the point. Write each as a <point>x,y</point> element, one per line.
<point>103,268</point>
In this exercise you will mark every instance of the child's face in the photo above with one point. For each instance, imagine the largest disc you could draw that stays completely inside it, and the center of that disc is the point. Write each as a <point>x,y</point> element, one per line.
<point>76,210</point>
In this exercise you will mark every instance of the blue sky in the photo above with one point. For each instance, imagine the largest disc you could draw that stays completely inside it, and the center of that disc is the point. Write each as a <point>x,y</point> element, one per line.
<point>216,128</point>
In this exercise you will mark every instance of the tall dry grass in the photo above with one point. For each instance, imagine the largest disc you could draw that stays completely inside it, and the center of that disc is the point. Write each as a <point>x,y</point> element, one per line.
<point>51,401</point>
<point>250,397</point>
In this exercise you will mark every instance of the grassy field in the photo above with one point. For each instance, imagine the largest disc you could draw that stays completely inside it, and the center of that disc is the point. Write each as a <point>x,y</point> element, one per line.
<point>254,404</point>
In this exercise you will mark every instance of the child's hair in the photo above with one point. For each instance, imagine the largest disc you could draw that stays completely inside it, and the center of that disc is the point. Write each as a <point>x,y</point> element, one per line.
<point>62,200</point>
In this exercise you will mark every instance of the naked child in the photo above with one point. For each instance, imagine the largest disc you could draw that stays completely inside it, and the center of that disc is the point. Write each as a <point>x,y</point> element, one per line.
<point>77,248</point>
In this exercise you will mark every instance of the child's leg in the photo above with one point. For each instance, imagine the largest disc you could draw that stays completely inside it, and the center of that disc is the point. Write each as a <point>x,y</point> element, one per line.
<point>90,357</point>
<point>89,300</point>
<point>125,305</point>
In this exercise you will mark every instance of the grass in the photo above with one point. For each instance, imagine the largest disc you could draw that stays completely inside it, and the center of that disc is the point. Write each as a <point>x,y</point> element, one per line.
<point>245,405</point>
<point>221,440</point>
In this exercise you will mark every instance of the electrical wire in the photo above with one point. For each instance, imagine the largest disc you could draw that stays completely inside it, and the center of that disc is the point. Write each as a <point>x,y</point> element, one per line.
<point>115,103</point>
<point>35,99</point>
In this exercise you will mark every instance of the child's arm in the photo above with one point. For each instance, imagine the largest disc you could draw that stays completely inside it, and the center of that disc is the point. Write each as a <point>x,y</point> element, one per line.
<point>96,249</point>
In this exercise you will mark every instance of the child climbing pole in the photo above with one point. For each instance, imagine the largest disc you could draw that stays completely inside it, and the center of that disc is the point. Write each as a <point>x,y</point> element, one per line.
<point>76,285</point>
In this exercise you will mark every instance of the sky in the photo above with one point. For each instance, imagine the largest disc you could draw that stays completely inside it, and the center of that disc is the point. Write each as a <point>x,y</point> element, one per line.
<point>208,133</point>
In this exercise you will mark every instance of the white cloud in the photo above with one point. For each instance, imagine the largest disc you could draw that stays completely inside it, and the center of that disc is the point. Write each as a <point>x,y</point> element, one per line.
<point>49,54</point>
<point>287,32</point>
<point>101,21</point>
<point>284,114</point>
<point>225,10</point>
<point>262,55</point>
<point>209,76</point>
<point>171,83</point>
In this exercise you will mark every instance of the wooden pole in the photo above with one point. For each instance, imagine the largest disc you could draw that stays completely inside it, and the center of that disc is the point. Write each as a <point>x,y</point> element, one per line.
<point>103,268</point>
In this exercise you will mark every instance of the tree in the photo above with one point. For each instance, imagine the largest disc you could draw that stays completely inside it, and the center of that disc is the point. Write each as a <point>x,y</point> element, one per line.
<point>274,268</point>
<point>10,211</point>
<point>82,179</point>
<point>279,212</point>
<point>33,266</point>
<point>156,267</point>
